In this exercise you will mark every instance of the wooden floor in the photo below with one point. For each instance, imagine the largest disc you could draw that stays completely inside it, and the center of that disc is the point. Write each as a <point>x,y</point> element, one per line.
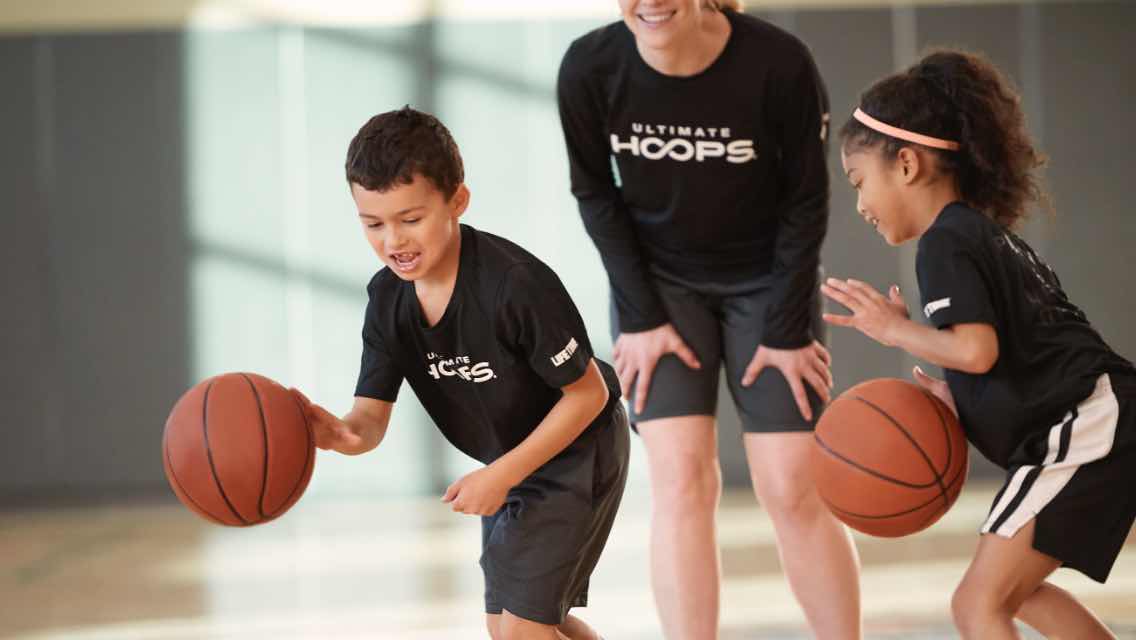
<point>408,571</point>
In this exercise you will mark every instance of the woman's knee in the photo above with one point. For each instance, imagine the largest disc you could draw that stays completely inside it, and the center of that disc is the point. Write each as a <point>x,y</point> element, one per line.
<point>688,483</point>
<point>790,497</point>
<point>780,469</point>
<point>683,456</point>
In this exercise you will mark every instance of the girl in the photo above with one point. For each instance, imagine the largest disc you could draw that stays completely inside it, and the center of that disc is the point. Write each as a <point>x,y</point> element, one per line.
<point>696,142</point>
<point>940,153</point>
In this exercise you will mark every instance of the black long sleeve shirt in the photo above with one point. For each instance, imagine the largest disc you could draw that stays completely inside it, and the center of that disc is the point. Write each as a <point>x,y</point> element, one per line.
<point>717,178</point>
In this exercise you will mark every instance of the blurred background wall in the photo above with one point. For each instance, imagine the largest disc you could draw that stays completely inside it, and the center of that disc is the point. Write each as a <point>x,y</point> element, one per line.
<point>173,205</point>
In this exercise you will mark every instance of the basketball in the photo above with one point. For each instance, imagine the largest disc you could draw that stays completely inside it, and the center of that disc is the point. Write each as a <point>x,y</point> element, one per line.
<point>890,458</point>
<point>237,449</point>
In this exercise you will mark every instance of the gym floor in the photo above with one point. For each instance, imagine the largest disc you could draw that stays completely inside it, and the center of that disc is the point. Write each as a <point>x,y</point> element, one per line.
<point>407,570</point>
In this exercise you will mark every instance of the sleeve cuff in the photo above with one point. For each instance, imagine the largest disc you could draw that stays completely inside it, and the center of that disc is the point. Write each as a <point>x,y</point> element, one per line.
<point>638,325</point>
<point>786,342</point>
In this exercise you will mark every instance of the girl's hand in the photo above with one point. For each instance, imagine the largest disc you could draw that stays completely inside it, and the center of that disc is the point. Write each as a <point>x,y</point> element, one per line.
<point>873,314</point>
<point>937,387</point>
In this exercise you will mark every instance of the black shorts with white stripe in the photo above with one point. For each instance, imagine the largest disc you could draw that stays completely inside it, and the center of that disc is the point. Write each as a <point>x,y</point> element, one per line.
<point>1083,493</point>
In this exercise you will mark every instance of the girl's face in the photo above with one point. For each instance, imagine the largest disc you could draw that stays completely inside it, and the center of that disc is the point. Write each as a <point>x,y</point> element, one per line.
<point>658,24</point>
<point>882,192</point>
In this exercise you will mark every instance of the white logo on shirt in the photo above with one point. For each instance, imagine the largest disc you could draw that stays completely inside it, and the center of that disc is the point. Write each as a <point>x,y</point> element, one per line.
<point>458,366</point>
<point>932,307</point>
<point>565,354</point>
<point>681,147</point>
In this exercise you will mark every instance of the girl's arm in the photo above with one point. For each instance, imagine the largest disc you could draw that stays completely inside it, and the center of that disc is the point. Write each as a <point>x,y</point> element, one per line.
<point>970,348</point>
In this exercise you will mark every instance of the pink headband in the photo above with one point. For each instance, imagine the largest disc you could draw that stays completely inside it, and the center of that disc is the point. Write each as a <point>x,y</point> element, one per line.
<point>904,134</point>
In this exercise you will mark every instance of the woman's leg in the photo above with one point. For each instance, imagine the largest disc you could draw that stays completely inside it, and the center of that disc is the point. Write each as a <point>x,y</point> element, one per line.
<point>686,486</point>
<point>808,535</point>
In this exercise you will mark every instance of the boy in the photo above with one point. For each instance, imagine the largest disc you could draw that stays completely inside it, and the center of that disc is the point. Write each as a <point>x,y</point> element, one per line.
<point>497,353</point>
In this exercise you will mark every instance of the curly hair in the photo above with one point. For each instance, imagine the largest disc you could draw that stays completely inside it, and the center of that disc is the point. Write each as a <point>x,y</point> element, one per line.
<point>960,96</point>
<point>393,147</point>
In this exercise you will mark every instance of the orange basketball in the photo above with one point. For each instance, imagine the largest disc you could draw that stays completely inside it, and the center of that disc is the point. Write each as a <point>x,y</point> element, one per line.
<point>890,458</point>
<point>237,449</point>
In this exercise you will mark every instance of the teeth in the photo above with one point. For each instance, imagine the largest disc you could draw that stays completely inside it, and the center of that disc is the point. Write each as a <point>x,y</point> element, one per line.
<point>655,18</point>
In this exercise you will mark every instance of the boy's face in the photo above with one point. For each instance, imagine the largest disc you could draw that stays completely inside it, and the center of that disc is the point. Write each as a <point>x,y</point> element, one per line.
<point>412,226</point>
<point>880,192</point>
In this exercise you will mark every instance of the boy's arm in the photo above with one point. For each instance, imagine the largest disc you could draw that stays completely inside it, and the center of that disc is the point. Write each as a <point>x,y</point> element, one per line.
<point>582,402</point>
<point>359,431</point>
<point>482,492</point>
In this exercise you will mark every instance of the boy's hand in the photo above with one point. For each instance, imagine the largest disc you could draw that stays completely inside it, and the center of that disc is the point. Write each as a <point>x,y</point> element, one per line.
<point>938,388</point>
<point>480,492</point>
<point>873,314</point>
<point>329,431</point>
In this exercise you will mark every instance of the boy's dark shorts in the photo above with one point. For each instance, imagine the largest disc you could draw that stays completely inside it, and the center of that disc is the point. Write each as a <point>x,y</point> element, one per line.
<point>539,550</point>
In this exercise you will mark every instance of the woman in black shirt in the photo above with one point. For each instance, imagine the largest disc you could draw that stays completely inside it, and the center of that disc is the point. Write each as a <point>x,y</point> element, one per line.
<point>695,138</point>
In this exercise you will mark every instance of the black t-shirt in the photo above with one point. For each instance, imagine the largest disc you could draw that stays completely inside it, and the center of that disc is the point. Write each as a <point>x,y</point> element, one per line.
<point>971,270</point>
<point>492,368</point>
<point>718,178</point>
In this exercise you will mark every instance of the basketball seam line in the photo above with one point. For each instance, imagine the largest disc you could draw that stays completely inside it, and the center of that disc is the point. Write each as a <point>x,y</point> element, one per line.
<point>943,424</point>
<point>885,516</point>
<point>914,443</point>
<point>947,433</point>
<point>311,457</point>
<point>958,477</point>
<point>869,471</point>
<point>264,432</point>
<point>180,488</point>
<point>209,453</point>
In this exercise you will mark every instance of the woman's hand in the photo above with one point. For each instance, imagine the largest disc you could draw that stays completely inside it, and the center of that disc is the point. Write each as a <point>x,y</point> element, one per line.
<point>637,354</point>
<point>810,364</point>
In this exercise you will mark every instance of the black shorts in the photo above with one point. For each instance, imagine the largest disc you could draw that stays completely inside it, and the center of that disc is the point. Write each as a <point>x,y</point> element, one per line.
<point>539,550</point>
<point>1082,495</point>
<point>722,329</point>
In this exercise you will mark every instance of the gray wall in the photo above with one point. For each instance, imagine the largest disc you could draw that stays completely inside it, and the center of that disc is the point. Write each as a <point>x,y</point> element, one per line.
<point>97,342</point>
<point>93,285</point>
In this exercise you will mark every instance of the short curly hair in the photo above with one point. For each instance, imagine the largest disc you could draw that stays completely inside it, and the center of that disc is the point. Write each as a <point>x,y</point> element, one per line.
<point>393,147</point>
